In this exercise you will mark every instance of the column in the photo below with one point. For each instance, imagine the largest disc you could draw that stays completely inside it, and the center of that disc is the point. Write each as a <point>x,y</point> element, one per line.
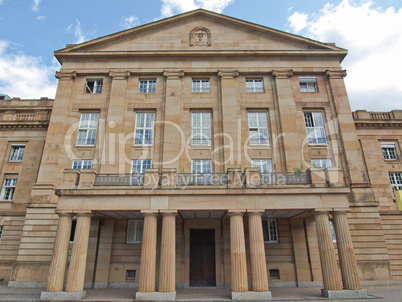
<point>168,250</point>
<point>55,281</point>
<point>259,277</point>
<point>76,272</point>
<point>238,253</point>
<point>148,253</point>
<point>329,266</point>
<point>349,272</point>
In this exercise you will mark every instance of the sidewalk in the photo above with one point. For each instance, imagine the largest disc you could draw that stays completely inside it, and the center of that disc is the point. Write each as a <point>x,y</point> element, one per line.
<point>391,293</point>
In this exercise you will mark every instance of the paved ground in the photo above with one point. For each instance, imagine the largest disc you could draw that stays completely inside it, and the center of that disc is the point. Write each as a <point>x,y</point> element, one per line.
<point>390,293</point>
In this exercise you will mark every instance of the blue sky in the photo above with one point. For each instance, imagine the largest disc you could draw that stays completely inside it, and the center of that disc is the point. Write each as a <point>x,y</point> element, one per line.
<point>31,30</point>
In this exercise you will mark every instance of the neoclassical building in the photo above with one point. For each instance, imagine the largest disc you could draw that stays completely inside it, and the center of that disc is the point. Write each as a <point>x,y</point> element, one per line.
<point>199,150</point>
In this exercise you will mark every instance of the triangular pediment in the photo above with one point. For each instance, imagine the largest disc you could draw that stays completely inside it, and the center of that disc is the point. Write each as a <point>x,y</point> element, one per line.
<point>200,31</point>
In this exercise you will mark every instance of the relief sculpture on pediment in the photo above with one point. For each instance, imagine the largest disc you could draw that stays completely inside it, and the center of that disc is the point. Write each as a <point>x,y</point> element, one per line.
<point>200,36</point>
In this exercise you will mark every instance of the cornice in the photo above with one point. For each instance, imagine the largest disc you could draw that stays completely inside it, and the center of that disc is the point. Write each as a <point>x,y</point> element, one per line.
<point>378,124</point>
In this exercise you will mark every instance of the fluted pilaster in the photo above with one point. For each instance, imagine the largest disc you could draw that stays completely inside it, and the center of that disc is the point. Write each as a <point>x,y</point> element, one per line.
<point>238,253</point>
<point>57,269</point>
<point>349,271</point>
<point>168,250</point>
<point>148,253</point>
<point>76,272</point>
<point>259,277</point>
<point>329,266</point>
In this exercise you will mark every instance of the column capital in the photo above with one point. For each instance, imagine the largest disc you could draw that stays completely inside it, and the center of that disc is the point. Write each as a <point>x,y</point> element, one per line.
<point>228,73</point>
<point>173,74</point>
<point>320,212</point>
<point>255,213</point>
<point>115,75</point>
<point>236,213</point>
<point>335,74</point>
<point>61,75</point>
<point>65,213</point>
<point>149,213</point>
<point>168,213</point>
<point>84,214</point>
<point>340,211</point>
<point>282,74</point>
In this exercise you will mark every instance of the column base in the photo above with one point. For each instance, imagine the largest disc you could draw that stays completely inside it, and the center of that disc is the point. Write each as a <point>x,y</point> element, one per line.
<point>155,296</point>
<point>62,296</point>
<point>250,296</point>
<point>344,294</point>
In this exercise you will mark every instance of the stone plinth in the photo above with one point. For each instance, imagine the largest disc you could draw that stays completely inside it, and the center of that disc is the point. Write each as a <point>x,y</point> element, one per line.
<point>151,178</point>
<point>251,296</point>
<point>344,294</point>
<point>155,296</point>
<point>334,177</point>
<point>62,296</point>
<point>235,178</point>
<point>169,178</point>
<point>317,177</point>
<point>253,179</point>
<point>87,179</point>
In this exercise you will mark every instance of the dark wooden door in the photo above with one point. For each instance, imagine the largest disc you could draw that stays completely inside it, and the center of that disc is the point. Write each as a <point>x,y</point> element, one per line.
<point>202,257</point>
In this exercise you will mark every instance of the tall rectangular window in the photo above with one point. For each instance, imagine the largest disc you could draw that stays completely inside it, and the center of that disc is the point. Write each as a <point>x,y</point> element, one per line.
<point>1,232</point>
<point>270,230</point>
<point>201,166</point>
<point>396,180</point>
<point>17,152</point>
<point>82,164</point>
<point>308,84</point>
<point>87,129</point>
<point>389,151</point>
<point>331,224</point>
<point>147,86</point>
<point>254,85</point>
<point>201,128</point>
<point>139,166</point>
<point>321,162</point>
<point>315,128</point>
<point>264,165</point>
<point>258,128</point>
<point>144,128</point>
<point>94,86</point>
<point>134,231</point>
<point>201,85</point>
<point>8,189</point>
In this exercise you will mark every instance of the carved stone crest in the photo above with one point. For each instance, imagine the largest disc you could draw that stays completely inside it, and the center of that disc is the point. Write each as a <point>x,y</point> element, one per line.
<point>200,36</point>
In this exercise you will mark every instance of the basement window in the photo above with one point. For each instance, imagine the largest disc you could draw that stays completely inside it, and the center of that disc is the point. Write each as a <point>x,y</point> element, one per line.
<point>130,275</point>
<point>274,274</point>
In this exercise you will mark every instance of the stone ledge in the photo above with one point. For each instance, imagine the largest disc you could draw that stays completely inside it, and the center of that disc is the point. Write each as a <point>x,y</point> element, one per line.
<point>250,296</point>
<point>62,296</point>
<point>344,294</point>
<point>155,296</point>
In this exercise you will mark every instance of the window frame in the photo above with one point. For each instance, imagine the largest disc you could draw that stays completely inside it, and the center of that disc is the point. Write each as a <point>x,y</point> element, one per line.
<point>11,187</point>
<point>386,147</point>
<point>254,88</point>
<point>395,180</point>
<point>201,128</point>
<point>19,157</point>
<point>310,82</point>
<point>90,130</point>
<point>149,88</point>
<point>202,161</point>
<point>136,234</point>
<point>257,163</point>
<point>268,230</point>
<point>201,88</point>
<point>321,160</point>
<point>315,128</point>
<point>144,128</point>
<point>83,163</point>
<point>258,129</point>
<point>143,165</point>
<point>97,86</point>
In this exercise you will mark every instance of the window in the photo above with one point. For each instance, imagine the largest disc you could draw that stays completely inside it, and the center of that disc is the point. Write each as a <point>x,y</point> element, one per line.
<point>274,274</point>
<point>8,189</point>
<point>72,233</point>
<point>147,86</point>
<point>321,162</point>
<point>264,165</point>
<point>315,128</point>
<point>87,129</point>
<point>331,224</point>
<point>17,152</point>
<point>308,84</point>
<point>201,166</point>
<point>258,128</point>
<point>201,127</point>
<point>130,274</point>
<point>1,231</point>
<point>254,85</point>
<point>396,180</point>
<point>82,164</point>
<point>389,151</point>
<point>201,85</point>
<point>134,231</point>
<point>144,128</point>
<point>139,166</point>
<point>270,230</point>
<point>94,86</point>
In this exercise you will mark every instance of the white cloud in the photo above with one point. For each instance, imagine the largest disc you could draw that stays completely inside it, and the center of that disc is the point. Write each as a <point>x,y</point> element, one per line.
<point>41,18</point>
<point>25,76</point>
<point>35,5</point>
<point>172,7</point>
<point>373,37</point>
<point>77,31</point>
<point>129,22</point>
